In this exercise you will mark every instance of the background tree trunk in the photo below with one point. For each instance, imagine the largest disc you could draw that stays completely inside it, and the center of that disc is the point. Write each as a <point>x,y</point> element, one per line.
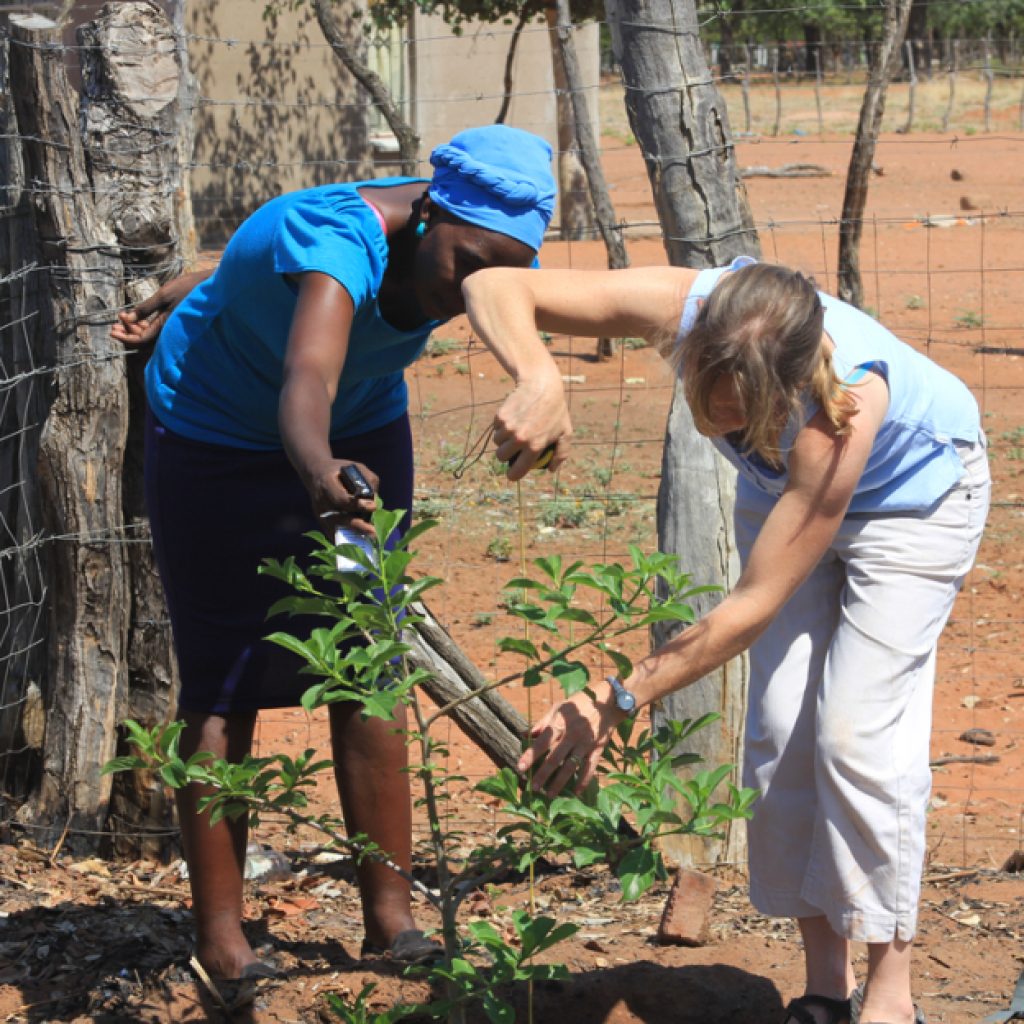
<point>82,447</point>
<point>575,209</point>
<point>681,123</point>
<point>339,40</point>
<point>887,58</point>
<point>589,153</point>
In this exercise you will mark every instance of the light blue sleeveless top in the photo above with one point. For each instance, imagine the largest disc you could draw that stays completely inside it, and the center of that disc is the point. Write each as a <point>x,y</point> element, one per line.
<point>913,461</point>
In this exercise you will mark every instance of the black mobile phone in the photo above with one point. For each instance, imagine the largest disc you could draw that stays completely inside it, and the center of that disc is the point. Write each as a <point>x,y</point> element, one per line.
<point>355,483</point>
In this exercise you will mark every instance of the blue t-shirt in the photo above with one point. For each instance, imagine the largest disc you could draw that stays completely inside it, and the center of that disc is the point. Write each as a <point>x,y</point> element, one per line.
<point>913,461</point>
<point>216,373</point>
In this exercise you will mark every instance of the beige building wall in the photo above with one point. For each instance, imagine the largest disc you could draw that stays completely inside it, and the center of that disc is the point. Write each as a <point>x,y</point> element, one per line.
<point>458,81</point>
<point>275,111</point>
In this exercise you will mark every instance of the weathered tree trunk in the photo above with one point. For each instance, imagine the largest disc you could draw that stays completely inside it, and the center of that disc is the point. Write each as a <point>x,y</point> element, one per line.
<point>920,36</point>
<point>529,11</point>
<point>589,153</point>
<point>340,42</point>
<point>137,154</point>
<point>887,58</point>
<point>575,209</point>
<point>82,446</point>
<point>26,353</point>
<point>682,126</point>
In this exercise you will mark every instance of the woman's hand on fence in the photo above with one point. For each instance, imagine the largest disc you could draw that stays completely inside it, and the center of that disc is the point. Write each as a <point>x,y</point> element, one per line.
<point>141,324</point>
<point>569,740</point>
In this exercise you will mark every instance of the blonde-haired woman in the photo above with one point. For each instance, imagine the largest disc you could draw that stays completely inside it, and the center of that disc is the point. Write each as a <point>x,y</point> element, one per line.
<point>863,490</point>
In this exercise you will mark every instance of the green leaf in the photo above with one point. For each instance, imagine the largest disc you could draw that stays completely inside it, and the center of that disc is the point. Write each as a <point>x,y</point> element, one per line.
<point>498,1011</point>
<point>671,613</point>
<point>571,676</point>
<point>524,583</point>
<point>518,645</point>
<point>174,775</point>
<point>623,666</point>
<point>637,872</point>
<point>125,763</point>
<point>576,615</point>
<point>583,856</point>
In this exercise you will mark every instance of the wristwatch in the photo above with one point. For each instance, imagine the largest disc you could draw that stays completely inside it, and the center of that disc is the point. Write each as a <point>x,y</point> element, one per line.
<point>624,700</point>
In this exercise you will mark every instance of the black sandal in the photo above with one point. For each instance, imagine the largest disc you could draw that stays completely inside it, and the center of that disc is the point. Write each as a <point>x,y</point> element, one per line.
<point>837,1010</point>
<point>408,947</point>
<point>232,994</point>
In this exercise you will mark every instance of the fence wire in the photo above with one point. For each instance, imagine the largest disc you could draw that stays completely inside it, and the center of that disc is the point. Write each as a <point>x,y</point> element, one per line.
<point>945,274</point>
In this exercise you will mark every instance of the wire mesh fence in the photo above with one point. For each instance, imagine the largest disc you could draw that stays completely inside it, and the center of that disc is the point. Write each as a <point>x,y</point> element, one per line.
<point>941,264</point>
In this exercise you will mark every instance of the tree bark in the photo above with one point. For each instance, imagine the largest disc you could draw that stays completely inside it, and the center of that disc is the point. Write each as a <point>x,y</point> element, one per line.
<point>681,123</point>
<point>529,11</point>
<point>487,719</point>
<point>575,204</point>
<point>887,58</point>
<point>82,447</point>
<point>589,153</point>
<point>137,153</point>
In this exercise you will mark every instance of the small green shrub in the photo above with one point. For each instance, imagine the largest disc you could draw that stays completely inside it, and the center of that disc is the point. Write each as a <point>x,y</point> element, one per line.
<point>499,548</point>
<point>970,319</point>
<point>442,346</point>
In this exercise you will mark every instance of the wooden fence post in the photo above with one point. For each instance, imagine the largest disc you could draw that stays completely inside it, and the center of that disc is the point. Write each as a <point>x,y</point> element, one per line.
<point>909,47</point>
<point>954,60</point>
<point>137,147</point>
<point>778,94</point>
<point>989,79</point>
<point>82,446</point>
<point>682,125</point>
<point>745,84</point>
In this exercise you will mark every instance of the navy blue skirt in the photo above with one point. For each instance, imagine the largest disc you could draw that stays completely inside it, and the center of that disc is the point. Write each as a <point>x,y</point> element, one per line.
<point>216,513</point>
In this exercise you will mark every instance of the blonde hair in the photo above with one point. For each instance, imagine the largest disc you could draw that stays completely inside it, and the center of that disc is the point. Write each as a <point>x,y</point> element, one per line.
<point>763,326</point>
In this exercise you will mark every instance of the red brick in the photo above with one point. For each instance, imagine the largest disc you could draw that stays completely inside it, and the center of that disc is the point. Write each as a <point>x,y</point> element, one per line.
<point>688,910</point>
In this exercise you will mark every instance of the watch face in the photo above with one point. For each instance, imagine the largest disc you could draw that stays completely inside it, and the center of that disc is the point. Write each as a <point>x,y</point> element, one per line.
<point>625,700</point>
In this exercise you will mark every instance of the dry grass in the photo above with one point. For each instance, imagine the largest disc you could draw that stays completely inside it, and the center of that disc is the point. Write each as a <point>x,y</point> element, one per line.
<point>840,106</point>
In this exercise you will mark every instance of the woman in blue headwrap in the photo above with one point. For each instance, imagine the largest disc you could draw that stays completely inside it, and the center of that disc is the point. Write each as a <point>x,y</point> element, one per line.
<point>271,375</point>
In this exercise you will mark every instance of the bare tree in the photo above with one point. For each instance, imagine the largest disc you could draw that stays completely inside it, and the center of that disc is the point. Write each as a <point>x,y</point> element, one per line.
<point>887,58</point>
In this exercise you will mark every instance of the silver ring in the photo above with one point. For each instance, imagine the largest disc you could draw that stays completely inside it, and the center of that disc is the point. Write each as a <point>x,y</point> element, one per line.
<point>575,758</point>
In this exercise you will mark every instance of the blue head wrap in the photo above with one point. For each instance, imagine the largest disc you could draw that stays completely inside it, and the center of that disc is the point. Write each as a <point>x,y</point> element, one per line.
<point>497,178</point>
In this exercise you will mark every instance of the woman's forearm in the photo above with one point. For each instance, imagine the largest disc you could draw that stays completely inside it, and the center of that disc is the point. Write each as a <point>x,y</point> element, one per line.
<point>502,311</point>
<point>304,418</point>
<point>721,635</point>
<point>642,302</point>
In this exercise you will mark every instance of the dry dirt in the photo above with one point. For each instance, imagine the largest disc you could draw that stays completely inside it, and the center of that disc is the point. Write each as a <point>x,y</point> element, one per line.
<point>90,941</point>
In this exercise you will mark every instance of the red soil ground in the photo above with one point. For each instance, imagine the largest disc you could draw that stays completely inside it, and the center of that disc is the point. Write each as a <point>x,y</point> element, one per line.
<point>90,941</point>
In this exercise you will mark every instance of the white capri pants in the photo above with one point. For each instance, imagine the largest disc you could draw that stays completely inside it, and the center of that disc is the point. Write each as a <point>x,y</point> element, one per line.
<point>839,712</point>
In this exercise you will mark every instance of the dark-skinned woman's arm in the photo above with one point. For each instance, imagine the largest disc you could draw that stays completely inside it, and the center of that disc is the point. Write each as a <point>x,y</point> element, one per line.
<point>317,348</point>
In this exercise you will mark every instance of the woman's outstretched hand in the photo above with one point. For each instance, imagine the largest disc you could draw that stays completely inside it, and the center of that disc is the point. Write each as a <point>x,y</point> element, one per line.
<point>569,740</point>
<point>141,324</point>
<point>532,419</point>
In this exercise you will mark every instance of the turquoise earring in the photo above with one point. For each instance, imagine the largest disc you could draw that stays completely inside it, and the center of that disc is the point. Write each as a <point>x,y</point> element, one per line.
<point>421,229</point>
